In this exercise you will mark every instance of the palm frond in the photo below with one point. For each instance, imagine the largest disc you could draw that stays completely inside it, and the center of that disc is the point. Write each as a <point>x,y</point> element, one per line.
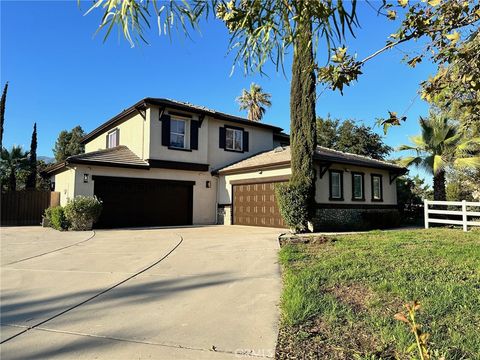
<point>439,164</point>
<point>418,141</point>
<point>468,162</point>
<point>409,161</point>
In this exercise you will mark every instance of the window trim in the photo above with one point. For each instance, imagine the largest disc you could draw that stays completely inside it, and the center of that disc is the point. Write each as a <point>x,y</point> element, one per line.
<point>116,137</point>
<point>186,123</point>
<point>362,176</point>
<point>380,176</point>
<point>330,172</point>
<point>234,129</point>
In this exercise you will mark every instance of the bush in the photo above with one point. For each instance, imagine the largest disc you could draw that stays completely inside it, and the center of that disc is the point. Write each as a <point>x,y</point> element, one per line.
<point>82,212</point>
<point>56,218</point>
<point>291,200</point>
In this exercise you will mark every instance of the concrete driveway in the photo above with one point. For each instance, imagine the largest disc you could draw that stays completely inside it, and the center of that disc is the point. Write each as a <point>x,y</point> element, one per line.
<point>185,293</point>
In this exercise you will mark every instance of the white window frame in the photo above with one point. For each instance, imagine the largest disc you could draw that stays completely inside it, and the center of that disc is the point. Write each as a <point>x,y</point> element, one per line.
<point>112,139</point>
<point>185,122</point>
<point>236,134</point>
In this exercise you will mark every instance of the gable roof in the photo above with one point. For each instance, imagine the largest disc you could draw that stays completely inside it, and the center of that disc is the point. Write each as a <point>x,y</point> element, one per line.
<point>120,156</point>
<point>177,105</point>
<point>281,156</point>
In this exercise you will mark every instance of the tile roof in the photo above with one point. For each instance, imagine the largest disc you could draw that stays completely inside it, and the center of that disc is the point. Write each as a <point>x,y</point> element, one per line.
<point>277,156</point>
<point>120,155</point>
<point>323,153</point>
<point>282,156</point>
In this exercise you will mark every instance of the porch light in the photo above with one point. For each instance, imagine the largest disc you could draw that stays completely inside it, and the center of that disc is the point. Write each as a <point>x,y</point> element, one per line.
<point>209,184</point>
<point>85,178</point>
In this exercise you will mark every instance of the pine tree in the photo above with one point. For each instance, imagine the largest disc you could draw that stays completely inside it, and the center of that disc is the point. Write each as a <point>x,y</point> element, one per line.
<point>302,112</point>
<point>2,113</point>
<point>31,181</point>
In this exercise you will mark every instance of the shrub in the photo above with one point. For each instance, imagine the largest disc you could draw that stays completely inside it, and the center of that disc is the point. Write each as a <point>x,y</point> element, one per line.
<point>82,212</point>
<point>291,200</point>
<point>56,218</point>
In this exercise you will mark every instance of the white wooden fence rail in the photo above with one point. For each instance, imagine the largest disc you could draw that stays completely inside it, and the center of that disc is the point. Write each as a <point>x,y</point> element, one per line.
<point>463,212</point>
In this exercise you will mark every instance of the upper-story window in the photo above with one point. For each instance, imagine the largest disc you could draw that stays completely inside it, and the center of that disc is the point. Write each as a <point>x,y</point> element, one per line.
<point>113,139</point>
<point>177,133</point>
<point>233,139</point>
<point>377,191</point>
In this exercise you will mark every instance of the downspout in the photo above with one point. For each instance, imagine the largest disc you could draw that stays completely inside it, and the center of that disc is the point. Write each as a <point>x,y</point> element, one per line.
<point>217,178</point>
<point>216,199</point>
<point>144,117</point>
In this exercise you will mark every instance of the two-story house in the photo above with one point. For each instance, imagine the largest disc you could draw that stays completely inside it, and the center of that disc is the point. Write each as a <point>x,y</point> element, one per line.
<point>166,163</point>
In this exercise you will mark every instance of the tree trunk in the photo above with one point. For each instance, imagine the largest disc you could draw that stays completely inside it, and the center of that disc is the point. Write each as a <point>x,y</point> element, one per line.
<point>12,180</point>
<point>439,186</point>
<point>302,112</point>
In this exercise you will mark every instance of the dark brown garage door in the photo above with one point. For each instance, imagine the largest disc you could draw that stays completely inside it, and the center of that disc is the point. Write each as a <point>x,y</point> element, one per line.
<point>130,202</point>
<point>255,205</point>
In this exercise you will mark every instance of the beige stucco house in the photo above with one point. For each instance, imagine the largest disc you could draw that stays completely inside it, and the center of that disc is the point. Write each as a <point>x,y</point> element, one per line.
<point>166,163</point>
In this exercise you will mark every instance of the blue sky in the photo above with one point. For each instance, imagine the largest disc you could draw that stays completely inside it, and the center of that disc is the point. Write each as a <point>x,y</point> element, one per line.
<point>60,75</point>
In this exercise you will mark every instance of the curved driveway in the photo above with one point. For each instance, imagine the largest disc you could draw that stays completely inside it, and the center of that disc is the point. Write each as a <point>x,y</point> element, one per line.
<point>117,295</point>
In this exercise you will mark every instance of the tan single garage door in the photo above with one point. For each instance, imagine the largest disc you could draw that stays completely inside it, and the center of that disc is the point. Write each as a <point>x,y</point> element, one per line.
<point>255,205</point>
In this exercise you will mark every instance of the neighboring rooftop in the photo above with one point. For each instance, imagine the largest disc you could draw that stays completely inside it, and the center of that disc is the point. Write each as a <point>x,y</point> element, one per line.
<point>178,105</point>
<point>281,157</point>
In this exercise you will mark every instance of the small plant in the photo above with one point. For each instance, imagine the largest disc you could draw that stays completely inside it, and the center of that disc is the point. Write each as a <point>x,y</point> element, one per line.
<point>82,212</point>
<point>291,201</point>
<point>420,337</point>
<point>55,216</point>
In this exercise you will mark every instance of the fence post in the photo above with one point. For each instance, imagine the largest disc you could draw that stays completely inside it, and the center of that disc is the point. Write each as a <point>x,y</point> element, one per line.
<point>464,215</point>
<point>425,208</point>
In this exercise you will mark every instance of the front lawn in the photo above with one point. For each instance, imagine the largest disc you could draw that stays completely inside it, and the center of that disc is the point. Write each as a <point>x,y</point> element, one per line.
<point>340,295</point>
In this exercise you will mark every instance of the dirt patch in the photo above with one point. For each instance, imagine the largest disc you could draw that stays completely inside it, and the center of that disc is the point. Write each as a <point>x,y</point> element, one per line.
<point>317,340</point>
<point>354,295</point>
<point>286,239</point>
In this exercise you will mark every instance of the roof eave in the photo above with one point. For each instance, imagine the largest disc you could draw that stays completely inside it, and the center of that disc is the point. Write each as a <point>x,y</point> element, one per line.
<point>278,165</point>
<point>353,162</point>
<point>167,103</point>
<point>113,121</point>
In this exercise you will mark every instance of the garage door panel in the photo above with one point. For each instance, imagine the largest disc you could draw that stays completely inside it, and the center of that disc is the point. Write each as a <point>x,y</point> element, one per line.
<point>256,205</point>
<point>129,202</point>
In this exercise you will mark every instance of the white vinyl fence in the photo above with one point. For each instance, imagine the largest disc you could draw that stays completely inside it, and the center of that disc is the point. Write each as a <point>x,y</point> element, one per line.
<point>466,211</point>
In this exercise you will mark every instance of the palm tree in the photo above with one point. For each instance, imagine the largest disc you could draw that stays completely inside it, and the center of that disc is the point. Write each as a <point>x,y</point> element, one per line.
<point>440,146</point>
<point>253,100</point>
<point>11,162</point>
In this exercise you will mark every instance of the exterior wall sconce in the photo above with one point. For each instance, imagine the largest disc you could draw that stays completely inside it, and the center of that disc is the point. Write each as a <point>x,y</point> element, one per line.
<point>208,184</point>
<point>85,178</point>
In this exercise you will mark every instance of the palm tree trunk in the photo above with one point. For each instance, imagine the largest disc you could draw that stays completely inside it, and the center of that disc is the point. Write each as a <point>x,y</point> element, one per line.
<point>12,180</point>
<point>439,186</point>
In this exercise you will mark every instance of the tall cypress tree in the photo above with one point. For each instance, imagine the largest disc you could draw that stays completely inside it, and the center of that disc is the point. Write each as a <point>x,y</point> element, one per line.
<point>2,113</point>
<point>31,181</point>
<point>302,111</point>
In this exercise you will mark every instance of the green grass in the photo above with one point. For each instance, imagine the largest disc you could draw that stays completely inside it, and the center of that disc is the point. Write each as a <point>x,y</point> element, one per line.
<point>355,285</point>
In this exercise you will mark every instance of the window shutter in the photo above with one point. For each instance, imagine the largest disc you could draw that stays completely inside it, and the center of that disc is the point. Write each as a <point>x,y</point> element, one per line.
<point>106,141</point>
<point>117,133</point>
<point>222,138</point>
<point>245,141</point>
<point>165,119</point>
<point>193,134</point>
